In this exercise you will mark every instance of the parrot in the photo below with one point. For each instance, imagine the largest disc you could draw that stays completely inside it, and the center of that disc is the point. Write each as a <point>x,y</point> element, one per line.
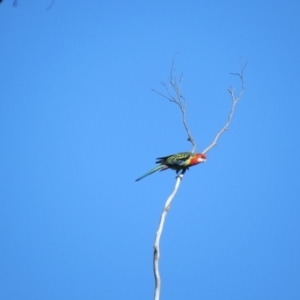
<point>178,162</point>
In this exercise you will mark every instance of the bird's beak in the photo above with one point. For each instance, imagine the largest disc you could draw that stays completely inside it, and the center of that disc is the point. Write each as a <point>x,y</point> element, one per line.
<point>201,160</point>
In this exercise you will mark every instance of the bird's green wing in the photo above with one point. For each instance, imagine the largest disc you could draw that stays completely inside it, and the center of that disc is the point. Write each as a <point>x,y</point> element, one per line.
<point>178,159</point>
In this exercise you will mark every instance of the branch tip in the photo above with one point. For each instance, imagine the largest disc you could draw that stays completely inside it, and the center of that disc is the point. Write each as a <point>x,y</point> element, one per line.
<point>234,101</point>
<point>173,94</point>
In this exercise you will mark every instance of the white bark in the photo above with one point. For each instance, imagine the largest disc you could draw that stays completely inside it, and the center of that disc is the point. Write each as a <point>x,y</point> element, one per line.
<point>234,100</point>
<point>179,99</point>
<point>156,255</point>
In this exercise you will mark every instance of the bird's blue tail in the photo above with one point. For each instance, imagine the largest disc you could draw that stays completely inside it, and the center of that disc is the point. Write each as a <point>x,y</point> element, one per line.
<point>158,168</point>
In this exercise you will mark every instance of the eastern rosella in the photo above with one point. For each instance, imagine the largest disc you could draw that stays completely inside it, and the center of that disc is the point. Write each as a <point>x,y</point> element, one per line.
<point>178,162</point>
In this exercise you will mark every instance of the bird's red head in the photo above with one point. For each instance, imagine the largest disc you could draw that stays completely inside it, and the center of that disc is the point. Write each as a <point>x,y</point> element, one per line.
<point>200,157</point>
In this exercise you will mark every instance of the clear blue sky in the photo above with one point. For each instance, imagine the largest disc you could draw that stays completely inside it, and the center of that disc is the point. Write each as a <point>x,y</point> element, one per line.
<point>79,123</point>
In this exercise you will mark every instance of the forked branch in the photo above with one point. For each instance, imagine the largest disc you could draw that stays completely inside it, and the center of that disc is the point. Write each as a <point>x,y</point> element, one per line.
<point>173,94</point>
<point>234,101</point>
<point>173,90</point>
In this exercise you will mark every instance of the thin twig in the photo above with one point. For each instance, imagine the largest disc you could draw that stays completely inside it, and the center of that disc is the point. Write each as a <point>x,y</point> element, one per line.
<point>178,98</point>
<point>156,255</point>
<point>234,100</point>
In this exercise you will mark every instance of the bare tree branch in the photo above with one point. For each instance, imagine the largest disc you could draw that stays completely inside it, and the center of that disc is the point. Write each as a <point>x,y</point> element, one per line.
<point>181,102</point>
<point>173,90</point>
<point>156,255</point>
<point>173,94</point>
<point>174,87</point>
<point>234,100</point>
